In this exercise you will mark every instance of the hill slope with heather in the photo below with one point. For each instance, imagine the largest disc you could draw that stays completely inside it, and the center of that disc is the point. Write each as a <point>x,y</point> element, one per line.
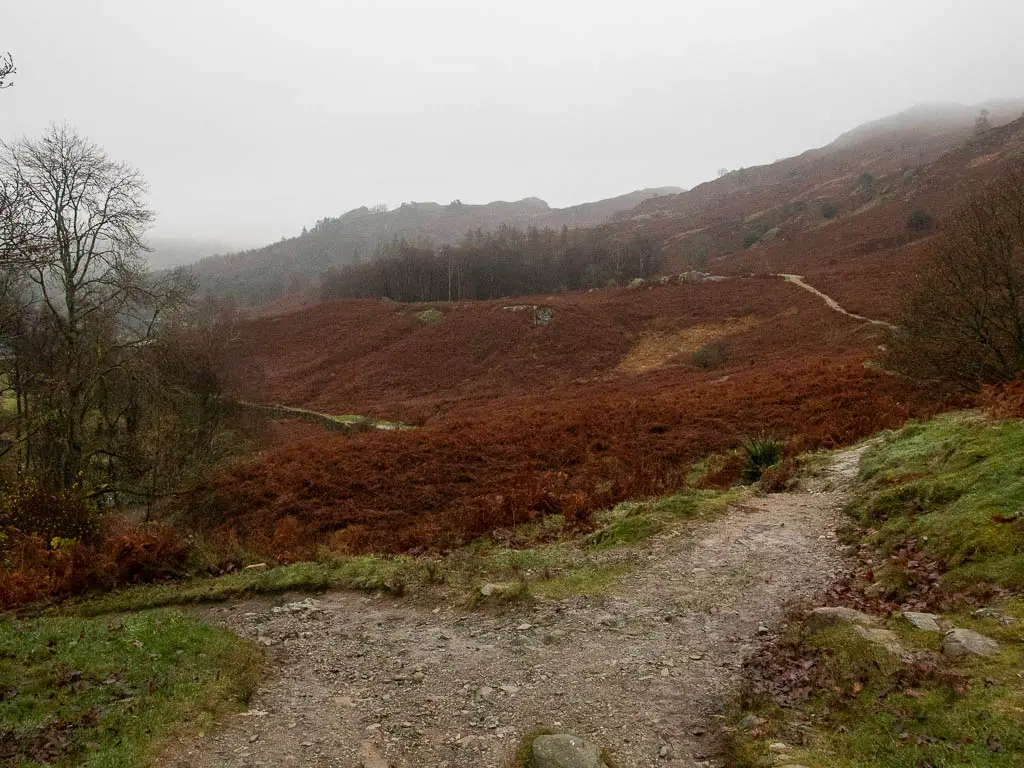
<point>840,215</point>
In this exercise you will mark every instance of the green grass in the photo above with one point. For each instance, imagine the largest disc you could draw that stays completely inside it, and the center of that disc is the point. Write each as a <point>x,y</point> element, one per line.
<point>761,453</point>
<point>938,485</point>
<point>870,710</point>
<point>631,522</point>
<point>541,559</point>
<point>364,573</point>
<point>929,499</point>
<point>105,693</point>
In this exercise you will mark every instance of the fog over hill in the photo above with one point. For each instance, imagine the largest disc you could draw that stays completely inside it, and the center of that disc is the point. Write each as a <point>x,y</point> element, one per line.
<point>169,252</point>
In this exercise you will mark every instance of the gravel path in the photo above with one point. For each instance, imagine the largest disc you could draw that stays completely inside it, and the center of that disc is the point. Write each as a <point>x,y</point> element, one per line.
<point>377,682</point>
<point>798,280</point>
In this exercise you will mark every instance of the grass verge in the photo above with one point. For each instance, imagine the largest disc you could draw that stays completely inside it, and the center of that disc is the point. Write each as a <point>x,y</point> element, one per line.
<point>946,497</point>
<point>844,702</point>
<point>106,692</point>
<point>939,505</point>
<point>541,559</point>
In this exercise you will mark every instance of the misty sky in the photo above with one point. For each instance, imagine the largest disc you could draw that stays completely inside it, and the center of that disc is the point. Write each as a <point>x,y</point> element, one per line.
<point>251,118</point>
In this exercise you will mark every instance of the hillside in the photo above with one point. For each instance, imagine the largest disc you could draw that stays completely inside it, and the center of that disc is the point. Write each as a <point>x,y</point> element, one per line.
<point>525,406</point>
<point>838,214</point>
<point>264,274</point>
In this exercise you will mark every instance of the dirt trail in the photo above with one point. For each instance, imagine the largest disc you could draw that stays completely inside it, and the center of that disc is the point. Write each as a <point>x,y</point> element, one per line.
<point>377,682</point>
<point>799,281</point>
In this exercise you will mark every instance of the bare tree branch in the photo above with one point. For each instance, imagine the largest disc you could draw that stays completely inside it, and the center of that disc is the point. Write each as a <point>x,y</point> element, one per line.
<point>7,69</point>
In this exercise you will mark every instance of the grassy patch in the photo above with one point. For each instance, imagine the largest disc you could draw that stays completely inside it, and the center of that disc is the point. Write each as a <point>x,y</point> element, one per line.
<point>105,692</point>
<point>541,559</point>
<point>951,490</point>
<point>366,573</point>
<point>631,522</point>
<point>864,707</point>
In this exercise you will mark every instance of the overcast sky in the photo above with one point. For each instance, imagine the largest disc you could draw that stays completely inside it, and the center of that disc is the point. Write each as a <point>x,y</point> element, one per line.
<point>251,118</point>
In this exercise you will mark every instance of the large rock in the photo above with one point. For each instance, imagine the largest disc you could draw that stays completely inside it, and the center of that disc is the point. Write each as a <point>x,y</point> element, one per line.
<point>927,622</point>
<point>820,618</point>
<point>564,750</point>
<point>883,638</point>
<point>966,642</point>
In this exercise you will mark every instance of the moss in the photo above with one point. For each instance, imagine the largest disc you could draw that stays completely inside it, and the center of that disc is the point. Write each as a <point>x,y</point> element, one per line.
<point>951,488</point>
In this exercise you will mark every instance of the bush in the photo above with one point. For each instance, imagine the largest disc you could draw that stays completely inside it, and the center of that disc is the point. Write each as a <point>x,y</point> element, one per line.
<point>751,237</point>
<point>33,569</point>
<point>829,211</point>
<point>35,510</point>
<point>920,222</point>
<point>961,323</point>
<point>761,453</point>
<point>710,356</point>
<point>137,552</point>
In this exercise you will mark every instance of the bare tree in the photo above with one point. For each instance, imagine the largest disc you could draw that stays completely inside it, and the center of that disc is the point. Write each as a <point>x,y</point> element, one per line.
<point>963,323</point>
<point>7,69</point>
<point>75,225</point>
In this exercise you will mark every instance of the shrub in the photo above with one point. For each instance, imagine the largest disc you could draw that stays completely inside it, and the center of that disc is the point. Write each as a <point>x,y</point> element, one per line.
<point>865,181</point>
<point>710,356</point>
<point>829,211</point>
<point>136,552</point>
<point>751,237</point>
<point>761,453</point>
<point>961,323</point>
<point>920,222</point>
<point>36,510</point>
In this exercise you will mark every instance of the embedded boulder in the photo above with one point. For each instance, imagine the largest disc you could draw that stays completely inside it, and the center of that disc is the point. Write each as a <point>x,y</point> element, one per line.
<point>926,622</point>
<point>820,618</point>
<point>966,642</point>
<point>563,750</point>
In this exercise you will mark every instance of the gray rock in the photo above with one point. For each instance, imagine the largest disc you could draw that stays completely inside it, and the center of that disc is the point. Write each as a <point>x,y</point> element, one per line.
<point>927,622</point>
<point>489,590</point>
<point>308,607</point>
<point>820,618</point>
<point>430,316</point>
<point>564,750</point>
<point>885,638</point>
<point>992,613</point>
<point>966,642</point>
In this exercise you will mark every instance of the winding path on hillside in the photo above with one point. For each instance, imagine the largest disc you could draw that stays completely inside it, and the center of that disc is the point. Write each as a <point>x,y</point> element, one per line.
<point>361,681</point>
<point>801,282</point>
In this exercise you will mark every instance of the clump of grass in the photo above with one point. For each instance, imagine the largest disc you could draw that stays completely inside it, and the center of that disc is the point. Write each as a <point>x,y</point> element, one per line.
<point>105,692</point>
<point>761,453</point>
<point>631,522</point>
